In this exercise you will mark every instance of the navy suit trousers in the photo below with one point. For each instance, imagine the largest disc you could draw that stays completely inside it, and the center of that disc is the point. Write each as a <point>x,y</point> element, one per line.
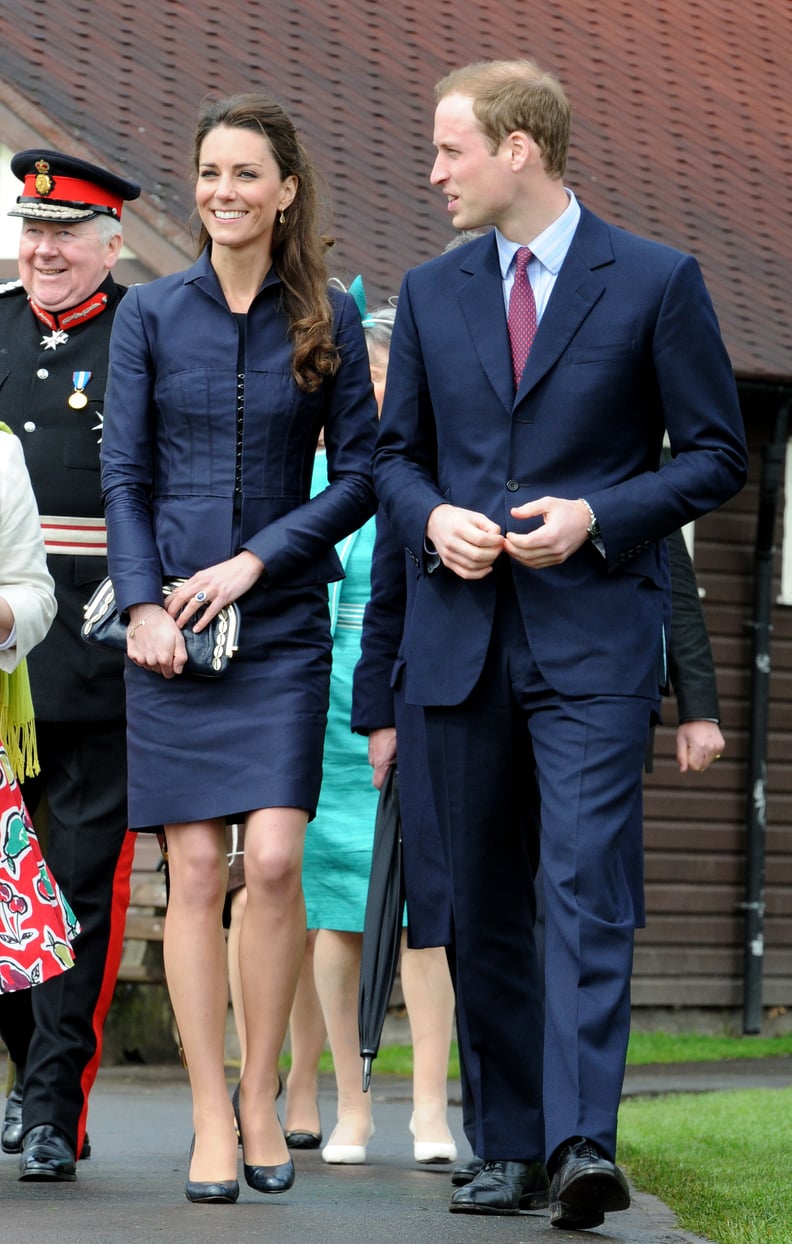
<point>545,1057</point>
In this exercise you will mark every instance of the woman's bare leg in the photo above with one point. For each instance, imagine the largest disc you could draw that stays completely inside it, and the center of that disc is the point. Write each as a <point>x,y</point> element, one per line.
<point>271,947</point>
<point>238,903</point>
<point>429,998</point>
<point>307,1036</point>
<point>197,976</point>
<point>337,972</point>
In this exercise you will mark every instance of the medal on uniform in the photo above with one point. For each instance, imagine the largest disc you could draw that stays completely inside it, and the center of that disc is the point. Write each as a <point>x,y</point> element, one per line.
<point>59,321</point>
<point>56,338</point>
<point>77,399</point>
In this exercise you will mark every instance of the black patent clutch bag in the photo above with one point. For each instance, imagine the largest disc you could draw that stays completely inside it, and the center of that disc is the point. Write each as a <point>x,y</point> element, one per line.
<point>208,652</point>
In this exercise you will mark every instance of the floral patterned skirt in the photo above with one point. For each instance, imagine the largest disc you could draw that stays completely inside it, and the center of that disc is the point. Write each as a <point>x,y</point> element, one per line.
<point>37,924</point>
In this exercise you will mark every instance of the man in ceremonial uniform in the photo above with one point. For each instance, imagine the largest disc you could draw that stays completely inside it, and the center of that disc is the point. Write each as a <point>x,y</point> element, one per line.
<point>55,327</point>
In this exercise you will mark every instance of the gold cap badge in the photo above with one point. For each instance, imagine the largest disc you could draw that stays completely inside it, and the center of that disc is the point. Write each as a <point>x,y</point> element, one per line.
<point>44,183</point>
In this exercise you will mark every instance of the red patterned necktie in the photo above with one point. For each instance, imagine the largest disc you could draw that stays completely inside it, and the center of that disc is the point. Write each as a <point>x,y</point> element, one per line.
<point>522,314</point>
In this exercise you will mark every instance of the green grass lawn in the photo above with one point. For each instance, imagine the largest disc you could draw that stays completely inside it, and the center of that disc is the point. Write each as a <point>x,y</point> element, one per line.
<point>693,1047</point>
<point>719,1160</point>
<point>645,1047</point>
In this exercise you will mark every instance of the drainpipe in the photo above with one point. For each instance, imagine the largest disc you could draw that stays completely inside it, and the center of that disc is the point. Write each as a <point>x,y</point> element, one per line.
<point>773,459</point>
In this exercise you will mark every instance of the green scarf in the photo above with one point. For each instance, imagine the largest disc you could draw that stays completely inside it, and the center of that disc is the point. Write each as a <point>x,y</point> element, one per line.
<point>17,728</point>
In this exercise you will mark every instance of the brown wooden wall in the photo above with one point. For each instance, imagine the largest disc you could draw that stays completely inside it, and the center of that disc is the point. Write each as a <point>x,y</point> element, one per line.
<point>691,953</point>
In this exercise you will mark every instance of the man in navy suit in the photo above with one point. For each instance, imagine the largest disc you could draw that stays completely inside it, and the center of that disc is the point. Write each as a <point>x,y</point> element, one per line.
<point>536,517</point>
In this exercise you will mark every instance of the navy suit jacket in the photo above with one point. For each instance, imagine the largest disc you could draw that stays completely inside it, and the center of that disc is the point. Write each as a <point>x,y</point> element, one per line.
<point>628,347</point>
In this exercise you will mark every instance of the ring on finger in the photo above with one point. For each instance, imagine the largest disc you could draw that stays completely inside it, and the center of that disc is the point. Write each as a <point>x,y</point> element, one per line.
<point>200,597</point>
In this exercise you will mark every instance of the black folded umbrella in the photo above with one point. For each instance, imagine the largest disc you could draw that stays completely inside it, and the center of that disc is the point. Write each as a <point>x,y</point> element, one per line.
<point>382,927</point>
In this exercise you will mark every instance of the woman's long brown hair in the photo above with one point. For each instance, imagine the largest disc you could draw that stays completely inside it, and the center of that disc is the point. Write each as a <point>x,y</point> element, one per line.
<point>298,249</point>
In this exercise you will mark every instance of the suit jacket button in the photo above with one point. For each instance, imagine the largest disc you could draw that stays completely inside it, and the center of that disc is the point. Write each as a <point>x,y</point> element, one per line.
<point>512,485</point>
<point>42,373</point>
<point>29,426</point>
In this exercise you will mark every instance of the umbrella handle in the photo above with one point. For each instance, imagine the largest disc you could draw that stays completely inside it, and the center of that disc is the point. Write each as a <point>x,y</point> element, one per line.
<point>367,1061</point>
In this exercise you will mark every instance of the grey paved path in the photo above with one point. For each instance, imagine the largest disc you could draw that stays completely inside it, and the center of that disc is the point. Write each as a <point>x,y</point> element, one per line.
<point>132,1189</point>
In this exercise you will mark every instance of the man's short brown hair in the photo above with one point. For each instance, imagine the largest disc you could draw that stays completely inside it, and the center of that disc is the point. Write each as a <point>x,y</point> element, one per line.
<point>511,95</point>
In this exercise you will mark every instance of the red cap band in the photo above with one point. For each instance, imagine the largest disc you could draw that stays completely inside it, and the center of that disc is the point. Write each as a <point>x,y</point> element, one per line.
<point>72,190</point>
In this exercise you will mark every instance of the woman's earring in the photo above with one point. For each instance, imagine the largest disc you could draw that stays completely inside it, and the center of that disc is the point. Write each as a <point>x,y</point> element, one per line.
<point>282,217</point>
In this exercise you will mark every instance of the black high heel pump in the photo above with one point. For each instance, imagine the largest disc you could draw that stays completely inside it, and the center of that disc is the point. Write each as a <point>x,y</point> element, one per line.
<point>218,1192</point>
<point>265,1178</point>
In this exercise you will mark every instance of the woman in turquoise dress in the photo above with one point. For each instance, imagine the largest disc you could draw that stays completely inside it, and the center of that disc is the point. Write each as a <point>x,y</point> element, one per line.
<point>337,857</point>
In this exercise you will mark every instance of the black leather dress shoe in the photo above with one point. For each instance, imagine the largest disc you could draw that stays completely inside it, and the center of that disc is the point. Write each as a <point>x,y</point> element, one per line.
<point>47,1154</point>
<point>503,1188</point>
<point>463,1172</point>
<point>585,1187</point>
<point>11,1140</point>
<point>270,1178</point>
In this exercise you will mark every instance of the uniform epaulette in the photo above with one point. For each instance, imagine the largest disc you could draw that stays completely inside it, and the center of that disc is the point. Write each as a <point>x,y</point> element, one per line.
<point>10,287</point>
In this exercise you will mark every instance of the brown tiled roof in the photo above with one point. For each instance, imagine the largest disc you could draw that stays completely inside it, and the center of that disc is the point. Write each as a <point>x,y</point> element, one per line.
<point>681,120</point>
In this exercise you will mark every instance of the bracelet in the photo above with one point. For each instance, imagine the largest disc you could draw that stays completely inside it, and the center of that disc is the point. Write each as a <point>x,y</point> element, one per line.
<point>136,625</point>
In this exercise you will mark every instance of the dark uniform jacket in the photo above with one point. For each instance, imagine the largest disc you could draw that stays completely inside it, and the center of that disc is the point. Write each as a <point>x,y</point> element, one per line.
<point>71,680</point>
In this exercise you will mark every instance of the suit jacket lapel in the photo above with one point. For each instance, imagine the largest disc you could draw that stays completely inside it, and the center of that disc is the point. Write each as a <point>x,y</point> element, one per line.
<point>481,301</point>
<point>578,288</point>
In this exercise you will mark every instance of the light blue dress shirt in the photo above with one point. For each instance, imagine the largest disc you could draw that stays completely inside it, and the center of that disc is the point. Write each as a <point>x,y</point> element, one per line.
<point>548,252</point>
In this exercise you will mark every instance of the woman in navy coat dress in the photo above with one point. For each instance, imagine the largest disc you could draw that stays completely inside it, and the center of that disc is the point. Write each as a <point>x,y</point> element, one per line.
<point>220,381</point>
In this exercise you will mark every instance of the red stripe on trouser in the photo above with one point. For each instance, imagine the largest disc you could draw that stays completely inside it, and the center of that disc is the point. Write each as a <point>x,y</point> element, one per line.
<point>115,946</point>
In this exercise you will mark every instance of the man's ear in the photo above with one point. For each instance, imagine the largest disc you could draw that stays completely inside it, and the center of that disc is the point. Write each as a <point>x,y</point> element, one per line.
<point>113,250</point>
<point>522,148</point>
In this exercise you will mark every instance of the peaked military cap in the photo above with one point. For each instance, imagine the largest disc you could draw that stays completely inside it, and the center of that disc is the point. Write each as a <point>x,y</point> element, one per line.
<point>66,189</point>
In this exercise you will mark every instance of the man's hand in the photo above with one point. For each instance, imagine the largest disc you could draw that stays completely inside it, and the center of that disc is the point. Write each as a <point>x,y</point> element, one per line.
<point>381,753</point>
<point>698,743</point>
<point>564,530</point>
<point>467,542</point>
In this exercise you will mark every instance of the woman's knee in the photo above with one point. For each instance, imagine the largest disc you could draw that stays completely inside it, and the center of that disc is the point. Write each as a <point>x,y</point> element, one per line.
<point>197,875</point>
<point>273,867</point>
<point>273,853</point>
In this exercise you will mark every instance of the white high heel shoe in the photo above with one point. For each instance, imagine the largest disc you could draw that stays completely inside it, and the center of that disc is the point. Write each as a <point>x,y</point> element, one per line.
<point>432,1150</point>
<point>345,1155</point>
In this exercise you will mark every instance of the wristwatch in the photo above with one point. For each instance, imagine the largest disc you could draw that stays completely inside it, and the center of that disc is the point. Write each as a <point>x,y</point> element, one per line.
<point>593,529</point>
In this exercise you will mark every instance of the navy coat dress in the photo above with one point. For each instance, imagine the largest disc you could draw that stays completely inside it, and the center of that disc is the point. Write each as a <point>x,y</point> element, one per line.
<point>191,475</point>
